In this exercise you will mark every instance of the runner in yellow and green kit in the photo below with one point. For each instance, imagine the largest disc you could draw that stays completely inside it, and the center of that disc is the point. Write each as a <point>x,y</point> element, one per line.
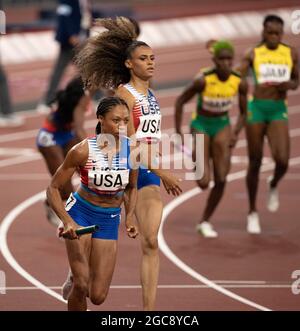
<point>216,89</point>
<point>275,69</point>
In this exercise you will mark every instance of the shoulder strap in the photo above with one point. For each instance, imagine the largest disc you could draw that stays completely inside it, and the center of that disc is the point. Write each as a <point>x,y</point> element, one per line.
<point>132,90</point>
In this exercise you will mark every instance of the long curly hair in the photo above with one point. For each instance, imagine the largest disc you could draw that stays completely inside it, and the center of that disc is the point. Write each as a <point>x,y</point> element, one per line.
<point>101,62</point>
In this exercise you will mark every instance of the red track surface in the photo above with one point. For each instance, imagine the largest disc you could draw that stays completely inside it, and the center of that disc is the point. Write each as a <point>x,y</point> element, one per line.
<point>258,268</point>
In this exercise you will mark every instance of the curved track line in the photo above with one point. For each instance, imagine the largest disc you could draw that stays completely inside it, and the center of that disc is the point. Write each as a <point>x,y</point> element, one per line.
<point>4,227</point>
<point>184,267</point>
<point>11,216</point>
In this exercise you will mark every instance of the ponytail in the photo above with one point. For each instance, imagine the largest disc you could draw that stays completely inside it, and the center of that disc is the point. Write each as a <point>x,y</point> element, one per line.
<point>98,128</point>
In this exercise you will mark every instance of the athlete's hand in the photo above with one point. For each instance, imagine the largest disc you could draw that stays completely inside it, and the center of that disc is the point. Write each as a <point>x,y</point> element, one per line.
<point>131,229</point>
<point>281,87</point>
<point>171,184</point>
<point>68,231</point>
<point>284,86</point>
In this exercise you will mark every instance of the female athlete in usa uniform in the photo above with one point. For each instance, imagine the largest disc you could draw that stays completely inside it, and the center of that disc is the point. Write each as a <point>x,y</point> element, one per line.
<point>115,59</point>
<point>275,70</point>
<point>105,176</point>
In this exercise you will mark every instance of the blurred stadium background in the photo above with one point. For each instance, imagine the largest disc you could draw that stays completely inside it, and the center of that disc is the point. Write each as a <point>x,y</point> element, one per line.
<point>258,269</point>
<point>165,24</point>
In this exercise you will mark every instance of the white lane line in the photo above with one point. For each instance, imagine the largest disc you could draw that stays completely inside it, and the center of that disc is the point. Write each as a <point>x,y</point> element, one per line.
<point>286,176</point>
<point>184,267</point>
<point>186,128</point>
<point>4,227</point>
<point>19,159</point>
<point>166,111</point>
<point>235,159</point>
<point>16,151</point>
<point>128,287</point>
<point>160,94</point>
<point>36,156</point>
<point>10,177</point>
<point>21,135</point>
<point>14,213</point>
<point>11,216</point>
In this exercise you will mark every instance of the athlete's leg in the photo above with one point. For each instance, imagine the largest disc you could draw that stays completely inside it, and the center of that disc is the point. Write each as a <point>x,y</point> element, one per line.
<point>70,144</point>
<point>149,212</point>
<point>255,138</point>
<point>221,162</point>
<point>54,157</point>
<point>68,188</point>
<point>102,264</point>
<point>204,181</point>
<point>279,141</point>
<point>79,263</point>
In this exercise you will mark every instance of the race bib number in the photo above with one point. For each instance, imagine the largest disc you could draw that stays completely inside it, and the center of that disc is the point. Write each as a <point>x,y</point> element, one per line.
<point>108,180</point>
<point>273,73</point>
<point>45,139</point>
<point>149,127</point>
<point>217,105</point>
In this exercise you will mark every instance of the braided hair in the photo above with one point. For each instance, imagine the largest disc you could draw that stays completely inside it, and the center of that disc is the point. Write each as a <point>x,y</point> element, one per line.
<point>101,62</point>
<point>105,106</point>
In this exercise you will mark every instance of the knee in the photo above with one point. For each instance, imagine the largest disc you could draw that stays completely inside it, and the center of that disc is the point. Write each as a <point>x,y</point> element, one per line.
<point>220,183</point>
<point>150,244</point>
<point>98,298</point>
<point>80,286</point>
<point>282,163</point>
<point>255,162</point>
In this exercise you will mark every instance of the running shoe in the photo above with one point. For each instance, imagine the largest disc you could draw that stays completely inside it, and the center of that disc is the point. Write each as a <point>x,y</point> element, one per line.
<point>51,215</point>
<point>206,229</point>
<point>253,225</point>
<point>67,286</point>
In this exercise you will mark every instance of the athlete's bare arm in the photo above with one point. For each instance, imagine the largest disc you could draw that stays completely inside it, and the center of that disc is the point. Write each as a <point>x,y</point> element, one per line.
<point>76,157</point>
<point>130,203</point>
<point>246,63</point>
<point>293,83</point>
<point>197,86</point>
<point>243,90</point>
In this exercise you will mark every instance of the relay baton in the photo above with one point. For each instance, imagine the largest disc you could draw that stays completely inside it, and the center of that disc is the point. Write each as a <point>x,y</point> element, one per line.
<point>87,229</point>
